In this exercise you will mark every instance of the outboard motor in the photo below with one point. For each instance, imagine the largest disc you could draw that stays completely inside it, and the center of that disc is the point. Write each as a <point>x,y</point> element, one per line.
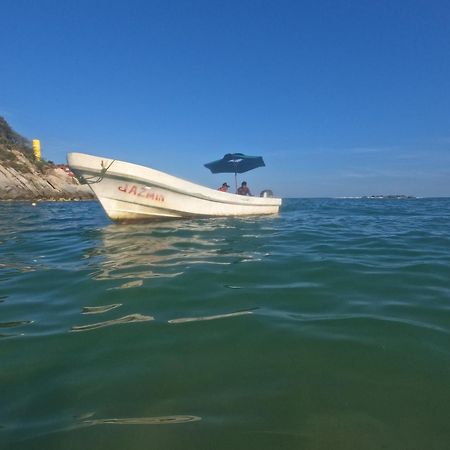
<point>266,193</point>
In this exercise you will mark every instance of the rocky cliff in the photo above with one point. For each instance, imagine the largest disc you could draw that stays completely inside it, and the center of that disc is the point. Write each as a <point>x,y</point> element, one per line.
<point>24,178</point>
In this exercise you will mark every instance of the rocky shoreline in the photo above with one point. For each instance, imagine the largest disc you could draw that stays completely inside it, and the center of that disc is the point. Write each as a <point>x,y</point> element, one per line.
<point>30,184</point>
<point>26,177</point>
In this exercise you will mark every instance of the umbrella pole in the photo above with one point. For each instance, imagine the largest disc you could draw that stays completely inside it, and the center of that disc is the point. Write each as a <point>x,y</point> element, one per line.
<point>235,180</point>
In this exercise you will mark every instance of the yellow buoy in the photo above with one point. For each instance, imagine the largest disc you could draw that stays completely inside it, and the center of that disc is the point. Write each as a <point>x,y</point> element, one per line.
<point>37,149</point>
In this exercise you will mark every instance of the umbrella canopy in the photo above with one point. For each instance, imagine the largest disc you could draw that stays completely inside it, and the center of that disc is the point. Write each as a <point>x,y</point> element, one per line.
<point>235,163</point>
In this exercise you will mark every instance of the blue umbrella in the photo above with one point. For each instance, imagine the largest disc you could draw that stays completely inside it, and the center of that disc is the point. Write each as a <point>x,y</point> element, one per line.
<point>235,163</point>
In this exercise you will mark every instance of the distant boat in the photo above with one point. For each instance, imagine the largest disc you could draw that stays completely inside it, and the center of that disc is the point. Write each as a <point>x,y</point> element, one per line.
<point>130,192</point>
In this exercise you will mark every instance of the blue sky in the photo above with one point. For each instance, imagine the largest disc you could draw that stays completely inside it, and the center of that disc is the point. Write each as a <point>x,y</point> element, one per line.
<point>341,98</point>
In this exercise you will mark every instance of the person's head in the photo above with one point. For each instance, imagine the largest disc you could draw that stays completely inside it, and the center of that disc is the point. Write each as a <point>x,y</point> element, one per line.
<point>225,185</point>
<point>244,183</point>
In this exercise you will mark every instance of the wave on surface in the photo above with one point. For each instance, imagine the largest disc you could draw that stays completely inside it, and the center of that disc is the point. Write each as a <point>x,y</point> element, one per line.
<point>162,420</point>
<point>132,318</point>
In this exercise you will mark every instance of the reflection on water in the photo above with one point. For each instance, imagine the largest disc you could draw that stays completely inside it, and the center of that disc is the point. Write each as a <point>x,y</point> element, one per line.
<point>16,323</point>
<point>164,249</point>
<point>215,317</point>
<point>13,324</point>
<point>100,309</point>
<point>163,420</point>
<point>18,266</point>
<point>126,319</point>
<point>130,284</point>
<point>9,335</point>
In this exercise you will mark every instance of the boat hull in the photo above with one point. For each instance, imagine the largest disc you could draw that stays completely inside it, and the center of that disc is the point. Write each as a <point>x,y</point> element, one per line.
<point>129,192</point>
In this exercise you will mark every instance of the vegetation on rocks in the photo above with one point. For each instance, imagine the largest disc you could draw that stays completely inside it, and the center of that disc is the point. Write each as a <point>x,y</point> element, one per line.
<point>13,146</point>
<point>22,177</point>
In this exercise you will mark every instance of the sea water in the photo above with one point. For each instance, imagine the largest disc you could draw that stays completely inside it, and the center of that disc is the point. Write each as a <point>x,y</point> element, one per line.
<point>325,327</point>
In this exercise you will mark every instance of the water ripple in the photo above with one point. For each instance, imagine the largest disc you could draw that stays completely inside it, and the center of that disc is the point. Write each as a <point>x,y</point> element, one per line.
<point>214,317</point>
<point>163,420</point>
<point>132,318</point>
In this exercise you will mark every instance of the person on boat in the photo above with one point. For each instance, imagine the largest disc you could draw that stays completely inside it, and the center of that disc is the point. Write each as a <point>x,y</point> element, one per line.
<point>224,187</point>
<point>243,189</point>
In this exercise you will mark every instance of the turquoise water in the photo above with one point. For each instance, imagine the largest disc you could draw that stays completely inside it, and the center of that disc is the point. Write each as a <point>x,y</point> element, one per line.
<point>326,327</point>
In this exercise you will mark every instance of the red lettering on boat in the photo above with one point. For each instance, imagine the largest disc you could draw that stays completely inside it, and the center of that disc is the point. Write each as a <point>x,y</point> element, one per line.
<point>140,191</point>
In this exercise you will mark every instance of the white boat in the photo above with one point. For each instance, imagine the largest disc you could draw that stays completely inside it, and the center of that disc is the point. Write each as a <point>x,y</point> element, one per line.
<point>129,192</point>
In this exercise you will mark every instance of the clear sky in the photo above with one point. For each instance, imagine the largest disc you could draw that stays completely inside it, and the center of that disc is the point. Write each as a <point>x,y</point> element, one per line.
<point>341,98</point>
